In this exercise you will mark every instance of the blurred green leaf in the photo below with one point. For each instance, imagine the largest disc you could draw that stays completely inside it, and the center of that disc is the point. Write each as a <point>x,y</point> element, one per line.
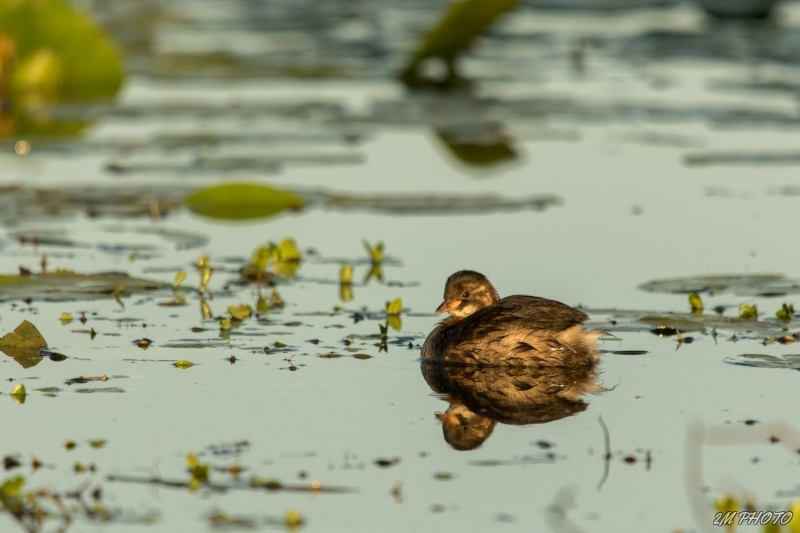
<point>375,253</point>
<point>346,274</point>
<point>179,277</point>
<point>394,307</point>
<point>241,201</point>
<point>183,364</point>
<point>748,312</point>
<point>460,24</point>
<point>695,302</point>
<point>786,312</point>
<point>55,44</point>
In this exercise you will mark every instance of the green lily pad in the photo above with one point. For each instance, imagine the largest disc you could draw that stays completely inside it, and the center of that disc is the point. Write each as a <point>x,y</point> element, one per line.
<point>67,285</point>
<point>737,284</point>
<point>241,201</point>
<point>23,344</point>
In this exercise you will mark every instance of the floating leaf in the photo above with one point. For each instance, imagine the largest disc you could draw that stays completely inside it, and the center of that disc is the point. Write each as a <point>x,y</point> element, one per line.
<point>394,307</point>
<point>695,302</point>
<point>24,344</point>
<point>461,24</point>
<point>235,314</point>
<point>786,312</point>
<point>183,364</point>
<point>748,312</point>
<point>19,393</point>
<point>205,277</point>
<point>97,444</point>
<point>790,361</point>
<point>198,471</point>
<point>11,489</point>
<point>67,285</point>
<point>179,277</point>
<point>66,318</point>
<point>225,324</point>
<point>288,251</point>
<point>346,274</point>
<point>293,519</point>
<point>261,305</point>
<point>375,253</point>
<point>737,284</point>
<point>241,201</point>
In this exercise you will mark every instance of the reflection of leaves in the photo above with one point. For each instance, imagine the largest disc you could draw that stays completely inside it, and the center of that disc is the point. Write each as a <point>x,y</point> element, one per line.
<point>240,201</point>
<point>479,152</point>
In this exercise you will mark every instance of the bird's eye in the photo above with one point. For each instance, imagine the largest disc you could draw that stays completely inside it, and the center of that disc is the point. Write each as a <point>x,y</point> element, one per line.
<point>465,295</point>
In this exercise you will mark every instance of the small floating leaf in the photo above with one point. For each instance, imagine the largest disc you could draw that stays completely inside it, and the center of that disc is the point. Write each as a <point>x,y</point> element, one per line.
<point>18,394</point>
<point>394,307</point>
<point>293,519</point>
<point>287,251</point>
<point>66,318</point>
<point>23,344</point>
<point>375,253</point>
<point>748,312</point>
<point>179,277</point>
<point>235,314</point>
<point>240,201</point>
<point>346,274</point>
<point>695,302</point>
<point>205,277</point>
<point>183,364</point>
<point>225,323</point>
<point>786,312</point>
<point>97,444</point>
<point>69,445</point>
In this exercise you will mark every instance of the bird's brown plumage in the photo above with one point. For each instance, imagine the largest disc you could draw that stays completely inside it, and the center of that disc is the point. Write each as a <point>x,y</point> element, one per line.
<point>513,331</point>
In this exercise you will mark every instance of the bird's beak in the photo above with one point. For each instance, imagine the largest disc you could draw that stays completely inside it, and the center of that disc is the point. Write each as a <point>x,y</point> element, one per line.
<point>447,306</point>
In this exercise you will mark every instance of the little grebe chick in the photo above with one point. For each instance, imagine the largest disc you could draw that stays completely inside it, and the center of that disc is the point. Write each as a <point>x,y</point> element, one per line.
<point>484,329</point>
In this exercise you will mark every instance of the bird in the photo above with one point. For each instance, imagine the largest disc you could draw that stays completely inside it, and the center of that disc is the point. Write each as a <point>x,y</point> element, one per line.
<point>484,329</point>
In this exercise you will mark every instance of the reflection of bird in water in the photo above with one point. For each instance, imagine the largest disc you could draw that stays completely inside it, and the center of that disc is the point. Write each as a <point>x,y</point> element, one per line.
<point>480,397</point>
<point>514,331</point>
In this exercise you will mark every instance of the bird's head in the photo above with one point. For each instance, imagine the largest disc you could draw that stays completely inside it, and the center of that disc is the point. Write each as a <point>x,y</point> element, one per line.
<point>466,292</point>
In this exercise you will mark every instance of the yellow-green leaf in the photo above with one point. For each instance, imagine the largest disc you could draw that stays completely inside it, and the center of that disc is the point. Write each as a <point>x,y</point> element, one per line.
<point>240,201</point>
<point>66,318</point>
<point>19,393</point>
<point>748,312</point>
<point>375,253</point>
<point>183,364</point>
<point>179,277</point>
<point>394,307</point>
<point>786,312</point>
<point>346,274</point>
<point>235,314</point>
<point>287,251</point>
<point>695,302</point>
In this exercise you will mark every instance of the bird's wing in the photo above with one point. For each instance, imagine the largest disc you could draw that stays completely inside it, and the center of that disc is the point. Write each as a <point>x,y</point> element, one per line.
<point>529,313</point>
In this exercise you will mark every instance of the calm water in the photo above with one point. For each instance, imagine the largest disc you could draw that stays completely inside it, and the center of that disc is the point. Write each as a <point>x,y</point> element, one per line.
<point>605,111</point>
